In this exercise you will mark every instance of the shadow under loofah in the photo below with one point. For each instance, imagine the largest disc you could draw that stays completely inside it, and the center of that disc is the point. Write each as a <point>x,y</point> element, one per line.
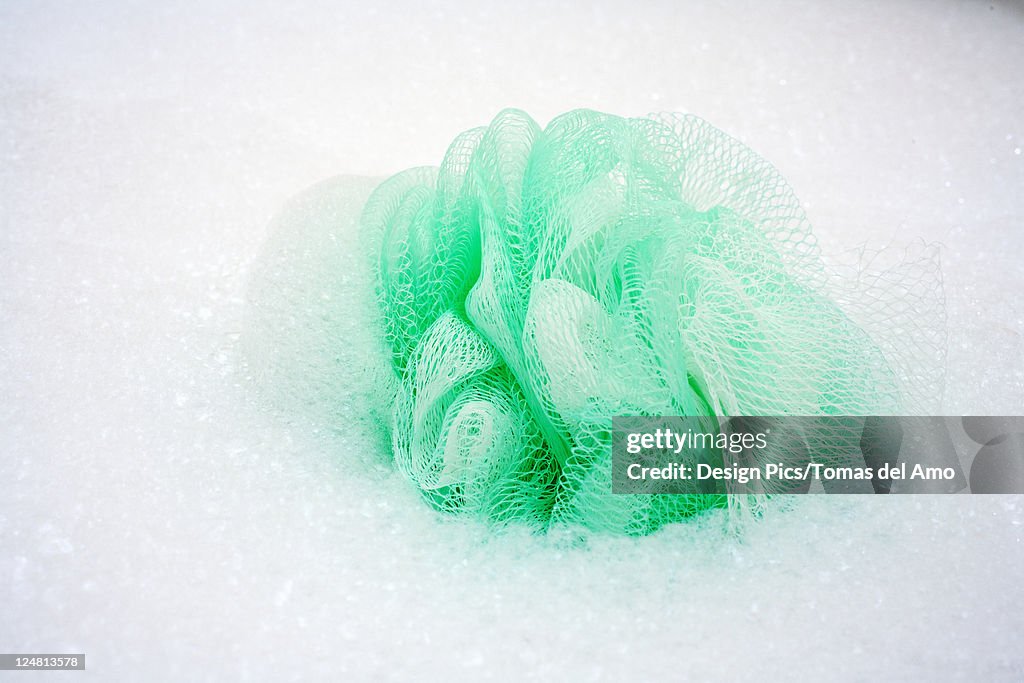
<point>542,281</point>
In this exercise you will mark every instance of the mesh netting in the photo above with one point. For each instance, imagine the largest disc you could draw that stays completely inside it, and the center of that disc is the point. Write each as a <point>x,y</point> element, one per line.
<point>541,281</point>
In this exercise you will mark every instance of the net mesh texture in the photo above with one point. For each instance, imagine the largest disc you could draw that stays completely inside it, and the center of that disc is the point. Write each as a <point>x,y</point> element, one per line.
<point>542,281</point>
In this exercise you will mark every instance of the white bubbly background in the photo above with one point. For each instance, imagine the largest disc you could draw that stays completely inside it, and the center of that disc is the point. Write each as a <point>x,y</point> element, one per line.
<point>156,517</point>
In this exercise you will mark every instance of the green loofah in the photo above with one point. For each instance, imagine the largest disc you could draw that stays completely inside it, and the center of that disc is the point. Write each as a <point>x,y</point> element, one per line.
<point>542,281</point>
